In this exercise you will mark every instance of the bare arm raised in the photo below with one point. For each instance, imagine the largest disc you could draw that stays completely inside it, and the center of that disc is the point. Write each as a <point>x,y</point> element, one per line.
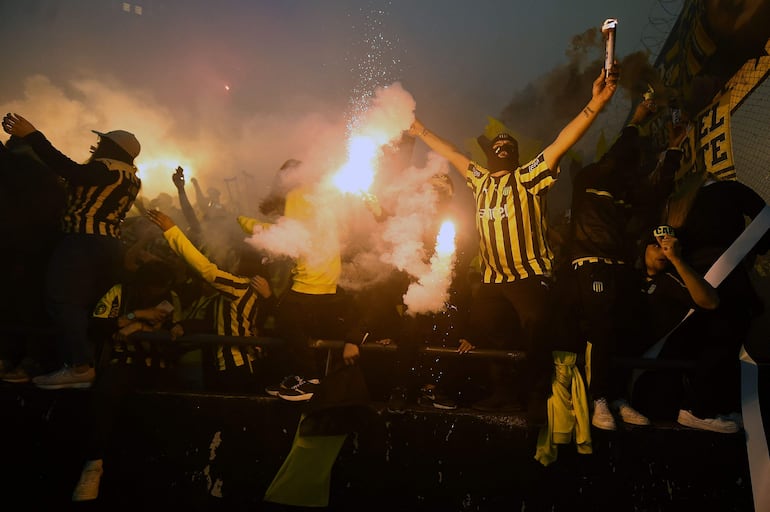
<point>444,148</point>
<point>14,124</point>
<point>601,93</point>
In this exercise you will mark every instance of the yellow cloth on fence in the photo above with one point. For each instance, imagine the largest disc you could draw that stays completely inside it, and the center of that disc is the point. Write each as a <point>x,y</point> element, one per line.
<point>589,348</point>
<point>568,417</point>
<point>305,476</point>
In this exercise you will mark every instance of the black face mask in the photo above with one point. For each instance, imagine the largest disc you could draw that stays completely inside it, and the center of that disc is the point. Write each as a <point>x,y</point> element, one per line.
<point>507,163</point>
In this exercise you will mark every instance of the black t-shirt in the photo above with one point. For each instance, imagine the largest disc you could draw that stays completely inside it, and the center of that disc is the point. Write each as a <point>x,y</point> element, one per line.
<point>665,301</point>
<point>716,219</point>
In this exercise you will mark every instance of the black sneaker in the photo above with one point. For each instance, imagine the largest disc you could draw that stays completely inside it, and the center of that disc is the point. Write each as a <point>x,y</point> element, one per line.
<point>301,392</point>
<point>430,397</point>
<point>397,401</point>
<point>287,382</point>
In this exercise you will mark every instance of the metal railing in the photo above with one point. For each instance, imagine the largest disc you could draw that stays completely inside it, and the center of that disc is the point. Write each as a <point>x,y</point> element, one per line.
<point>195,341</point>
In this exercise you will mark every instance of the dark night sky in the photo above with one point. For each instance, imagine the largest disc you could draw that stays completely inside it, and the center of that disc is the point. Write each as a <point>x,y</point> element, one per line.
<point>293,68</point>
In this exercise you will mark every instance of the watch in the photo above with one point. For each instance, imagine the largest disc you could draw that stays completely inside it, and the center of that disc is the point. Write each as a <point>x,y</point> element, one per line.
<point>130,315</point>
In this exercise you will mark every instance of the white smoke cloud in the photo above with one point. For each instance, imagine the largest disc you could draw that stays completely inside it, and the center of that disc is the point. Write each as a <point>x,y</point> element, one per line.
<point>410,233</point>
<point>404,240</point>
<point>390,113</point>
<point>238,159</point>
<point>242,161</point>
<point>286,237</point>
<point>405,236</point>
<point>431,292</point>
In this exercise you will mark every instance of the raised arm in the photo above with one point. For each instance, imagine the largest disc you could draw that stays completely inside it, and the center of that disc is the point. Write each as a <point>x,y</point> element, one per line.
<point>444,148</point>
<point>200,198</point>
<point>602,92</point>
<point>94,173</point>
<point>231,285</point>
<point>184,201</point>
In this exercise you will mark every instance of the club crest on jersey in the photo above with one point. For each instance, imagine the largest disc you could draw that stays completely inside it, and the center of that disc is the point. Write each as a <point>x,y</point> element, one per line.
<point>101,308</point>
<point>506,191</point>
<point>598,286</point>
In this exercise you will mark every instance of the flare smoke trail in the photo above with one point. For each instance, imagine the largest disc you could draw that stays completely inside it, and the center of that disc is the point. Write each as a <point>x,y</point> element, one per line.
<point>371,249</point>
<point>431,292</point>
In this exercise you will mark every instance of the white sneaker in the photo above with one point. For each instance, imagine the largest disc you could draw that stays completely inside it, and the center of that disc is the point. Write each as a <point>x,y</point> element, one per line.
<point>733,416</point>
<point>602,417</point>
<point>628,414</point>
<point>66,377</point>
<point>88,485</point>
<point>721,425</point>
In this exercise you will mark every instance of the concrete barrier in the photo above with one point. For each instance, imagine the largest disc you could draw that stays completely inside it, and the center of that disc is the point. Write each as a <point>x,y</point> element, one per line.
<point>197,451</point>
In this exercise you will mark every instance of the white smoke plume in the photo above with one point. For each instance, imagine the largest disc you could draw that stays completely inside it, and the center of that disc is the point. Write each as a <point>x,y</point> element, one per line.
<point>286,237</point>
<point>371,249</point>
<point>242,161</point>
<point>414,203</point>
<point>431,292</point>
<point>391,112</point>
<point>239,159</point>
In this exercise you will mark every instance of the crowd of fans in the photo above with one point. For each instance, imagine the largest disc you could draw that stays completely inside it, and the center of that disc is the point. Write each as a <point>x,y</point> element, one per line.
<point>91,264</point>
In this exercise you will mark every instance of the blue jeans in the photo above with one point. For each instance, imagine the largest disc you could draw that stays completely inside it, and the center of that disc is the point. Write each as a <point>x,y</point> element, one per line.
<point>81,269</point>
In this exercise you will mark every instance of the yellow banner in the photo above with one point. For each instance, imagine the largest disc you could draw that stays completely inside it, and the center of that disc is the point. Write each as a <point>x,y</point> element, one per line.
<point>714,139</point>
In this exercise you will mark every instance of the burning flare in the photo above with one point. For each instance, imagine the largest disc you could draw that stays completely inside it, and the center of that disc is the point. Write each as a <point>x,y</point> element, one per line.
<point>357,175</point>
<point>431,292</point>
<point>445,241</point>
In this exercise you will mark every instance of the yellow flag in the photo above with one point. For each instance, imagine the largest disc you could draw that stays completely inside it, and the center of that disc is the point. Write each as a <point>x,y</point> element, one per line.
<point>601,145</point>
<point>305,476</point>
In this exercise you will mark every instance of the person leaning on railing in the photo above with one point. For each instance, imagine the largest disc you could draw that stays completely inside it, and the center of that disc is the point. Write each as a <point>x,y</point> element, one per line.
<point>234,308</point>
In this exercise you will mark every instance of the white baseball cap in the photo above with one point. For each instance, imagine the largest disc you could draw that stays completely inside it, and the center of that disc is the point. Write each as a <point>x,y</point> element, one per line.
<point>126,140</point>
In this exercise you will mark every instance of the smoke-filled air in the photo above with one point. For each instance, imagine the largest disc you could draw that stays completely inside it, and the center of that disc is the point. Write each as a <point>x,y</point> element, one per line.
<point>231,91</point>
<point>383,215</point>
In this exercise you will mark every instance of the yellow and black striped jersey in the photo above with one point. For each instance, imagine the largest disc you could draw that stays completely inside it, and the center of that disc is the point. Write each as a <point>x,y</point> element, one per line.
<point>112,305</point>
<point>99,193</point>
<point>100,208</point>
<point>235,305</point>
<point>511,221</point>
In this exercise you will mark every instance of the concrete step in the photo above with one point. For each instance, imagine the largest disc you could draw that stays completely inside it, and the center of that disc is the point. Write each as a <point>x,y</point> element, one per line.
<point>199,451</point>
